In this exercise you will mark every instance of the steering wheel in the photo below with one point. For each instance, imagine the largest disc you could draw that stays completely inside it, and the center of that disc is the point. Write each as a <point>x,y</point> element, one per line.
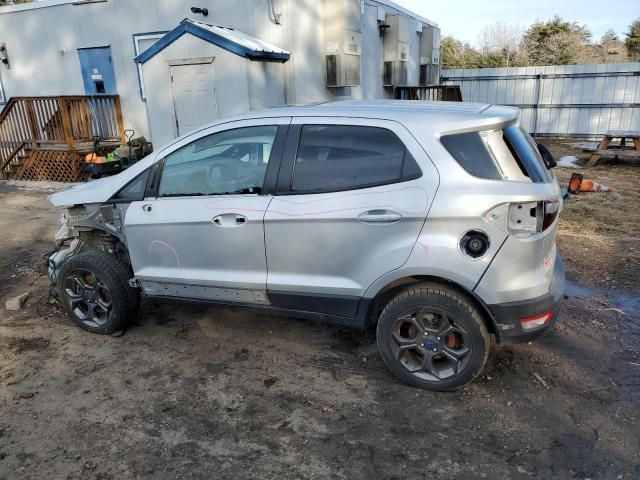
<point>222,176</point>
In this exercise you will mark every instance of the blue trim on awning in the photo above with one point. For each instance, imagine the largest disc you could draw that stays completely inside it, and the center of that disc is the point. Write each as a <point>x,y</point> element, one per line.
<point>211,37</point>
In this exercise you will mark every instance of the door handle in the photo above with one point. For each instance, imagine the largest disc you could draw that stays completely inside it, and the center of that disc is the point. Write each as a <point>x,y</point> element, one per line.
<point>379,216</point>
<point>229,220</point>
<point>147,208</point>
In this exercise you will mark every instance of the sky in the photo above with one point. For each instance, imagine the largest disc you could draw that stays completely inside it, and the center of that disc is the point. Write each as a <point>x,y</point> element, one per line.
<point>465,18</point>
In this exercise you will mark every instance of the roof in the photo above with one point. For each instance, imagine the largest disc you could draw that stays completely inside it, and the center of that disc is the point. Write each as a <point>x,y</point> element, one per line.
<point>224,37</point>
<point>407,12</point>
<point>388,109</point>
<point>54,3</point>
<point>447,116</point>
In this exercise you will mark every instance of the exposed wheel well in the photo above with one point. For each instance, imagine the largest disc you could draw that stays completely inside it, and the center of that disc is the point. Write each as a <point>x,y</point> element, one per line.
<point>391,290</point>
<point>105,242</point>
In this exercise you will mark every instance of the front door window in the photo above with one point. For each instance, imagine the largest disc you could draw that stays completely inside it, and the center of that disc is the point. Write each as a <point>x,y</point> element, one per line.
<point>225,163</point>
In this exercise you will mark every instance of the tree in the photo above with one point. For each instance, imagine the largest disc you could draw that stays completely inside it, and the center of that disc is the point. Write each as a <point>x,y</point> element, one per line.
<point>611,48</point>
<point>632,42</point>
<point>500,40</point>
<point>609,37</point>
<point>455,54</point>
<point>555,42</point>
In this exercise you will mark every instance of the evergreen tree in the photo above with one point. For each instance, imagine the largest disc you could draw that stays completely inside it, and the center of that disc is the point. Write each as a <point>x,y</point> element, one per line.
<point>555,42</point>
<point>632,41</point>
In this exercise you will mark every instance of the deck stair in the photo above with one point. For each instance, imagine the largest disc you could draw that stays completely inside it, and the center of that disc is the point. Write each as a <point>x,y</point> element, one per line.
<point>45,138</point>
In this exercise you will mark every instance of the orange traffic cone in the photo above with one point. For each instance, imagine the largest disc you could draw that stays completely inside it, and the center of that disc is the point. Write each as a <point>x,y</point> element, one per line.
<point>593,186</point>
<point>579,184</point>
<point>575,182</point>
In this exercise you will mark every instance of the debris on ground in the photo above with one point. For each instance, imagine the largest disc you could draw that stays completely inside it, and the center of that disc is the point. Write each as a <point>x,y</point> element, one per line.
<point>270,381</point>
<point>16,303</point>
<point>540,379</point>
<point>584,146</point>
<point>568,161</point>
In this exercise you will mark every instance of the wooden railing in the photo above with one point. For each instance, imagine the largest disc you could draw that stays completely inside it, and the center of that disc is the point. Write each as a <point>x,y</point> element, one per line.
<point>62,122</point>
<point>433,93</point>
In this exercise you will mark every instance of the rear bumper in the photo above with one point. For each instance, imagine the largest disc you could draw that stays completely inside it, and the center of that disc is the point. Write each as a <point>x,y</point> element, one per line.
<point>508,315</point>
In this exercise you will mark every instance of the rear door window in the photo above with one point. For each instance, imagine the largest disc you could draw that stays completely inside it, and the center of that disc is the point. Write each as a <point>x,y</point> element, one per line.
<point>342,157</point>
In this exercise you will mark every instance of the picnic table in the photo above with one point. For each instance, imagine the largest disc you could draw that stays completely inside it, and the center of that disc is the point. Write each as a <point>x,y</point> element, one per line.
<point>605,148</point>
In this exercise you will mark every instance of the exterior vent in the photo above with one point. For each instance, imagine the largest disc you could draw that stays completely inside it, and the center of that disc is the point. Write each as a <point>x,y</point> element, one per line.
<point>387,74</point>
<point>397,50</point>
<point>332,70</point>
<point>424,75</point>
<point>351,69</point>
<point>343,40</point>
<point>402,73</point>
<point>353,48</point>
<point>403,51</point>
<point>430,54</point>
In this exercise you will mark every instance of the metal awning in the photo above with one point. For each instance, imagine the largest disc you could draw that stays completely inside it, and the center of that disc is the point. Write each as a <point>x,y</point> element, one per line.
<point>224,37</point>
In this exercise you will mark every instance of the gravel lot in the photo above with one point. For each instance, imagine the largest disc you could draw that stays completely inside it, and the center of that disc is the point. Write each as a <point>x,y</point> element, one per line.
<point>208,392</point>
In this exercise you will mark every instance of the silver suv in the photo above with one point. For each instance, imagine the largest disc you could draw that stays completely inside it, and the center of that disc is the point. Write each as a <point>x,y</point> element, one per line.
<point>432,222</point>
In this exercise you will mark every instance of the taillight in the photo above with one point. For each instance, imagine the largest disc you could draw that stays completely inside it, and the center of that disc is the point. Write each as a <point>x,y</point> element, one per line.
<point>526,218</point>
<point>550,209</point>
<point>529,323</point>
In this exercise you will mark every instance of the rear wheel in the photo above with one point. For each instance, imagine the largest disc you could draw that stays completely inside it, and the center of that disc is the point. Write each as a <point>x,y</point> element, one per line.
<point>95,292</point>
<point>431,336</point>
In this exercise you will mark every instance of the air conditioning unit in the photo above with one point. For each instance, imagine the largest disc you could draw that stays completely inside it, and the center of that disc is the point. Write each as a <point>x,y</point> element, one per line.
<point>396,48</point>
<point>429,55</point>
<point>343,45</point>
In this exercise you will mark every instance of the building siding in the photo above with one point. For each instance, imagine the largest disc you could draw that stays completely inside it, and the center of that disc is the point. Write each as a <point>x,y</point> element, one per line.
<point>36,35</point>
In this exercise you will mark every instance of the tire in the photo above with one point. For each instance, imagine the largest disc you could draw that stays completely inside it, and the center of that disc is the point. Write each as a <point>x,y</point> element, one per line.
<point>431,336</point>
<point>94,290</point>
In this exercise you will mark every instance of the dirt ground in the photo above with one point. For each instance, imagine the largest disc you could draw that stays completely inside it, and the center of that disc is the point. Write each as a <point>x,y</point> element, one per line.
<point>206,392</point>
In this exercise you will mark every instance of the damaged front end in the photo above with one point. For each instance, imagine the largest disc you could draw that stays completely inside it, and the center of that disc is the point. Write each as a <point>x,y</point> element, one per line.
<point>94,226</point>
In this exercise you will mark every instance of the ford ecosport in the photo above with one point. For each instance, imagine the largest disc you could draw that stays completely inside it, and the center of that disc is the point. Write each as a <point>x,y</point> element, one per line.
<point>433,222</point>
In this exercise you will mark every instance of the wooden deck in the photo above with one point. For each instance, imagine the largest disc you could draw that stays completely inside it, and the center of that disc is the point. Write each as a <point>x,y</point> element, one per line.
<point>56,124</point>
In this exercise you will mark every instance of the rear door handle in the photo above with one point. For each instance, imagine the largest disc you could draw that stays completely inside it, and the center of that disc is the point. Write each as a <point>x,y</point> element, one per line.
<point>147,207</point>
<point>379,216</point>
<point>229,220</point>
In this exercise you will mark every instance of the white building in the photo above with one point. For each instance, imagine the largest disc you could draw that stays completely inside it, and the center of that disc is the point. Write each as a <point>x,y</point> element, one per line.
<point>267,53</point>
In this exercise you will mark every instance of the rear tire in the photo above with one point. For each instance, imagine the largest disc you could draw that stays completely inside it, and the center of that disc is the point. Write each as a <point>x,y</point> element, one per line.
<point>432,337</point>
<point>94,291</point>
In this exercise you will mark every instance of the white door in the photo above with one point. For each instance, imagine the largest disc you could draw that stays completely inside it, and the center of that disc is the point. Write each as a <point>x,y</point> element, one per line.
<point>194,95</point>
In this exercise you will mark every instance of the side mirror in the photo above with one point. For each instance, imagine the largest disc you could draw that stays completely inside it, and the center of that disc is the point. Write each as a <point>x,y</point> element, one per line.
<point>547,156</point>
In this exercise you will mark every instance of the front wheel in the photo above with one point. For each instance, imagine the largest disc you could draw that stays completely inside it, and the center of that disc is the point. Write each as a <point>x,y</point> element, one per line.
<point>94,291</point>
<point>432,337</point>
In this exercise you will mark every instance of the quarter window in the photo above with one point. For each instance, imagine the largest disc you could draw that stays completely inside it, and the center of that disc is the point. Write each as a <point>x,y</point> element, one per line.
<point>134,190</point>
<point>471,153</point>
<point>229,162</point>
<point>341,157</point>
